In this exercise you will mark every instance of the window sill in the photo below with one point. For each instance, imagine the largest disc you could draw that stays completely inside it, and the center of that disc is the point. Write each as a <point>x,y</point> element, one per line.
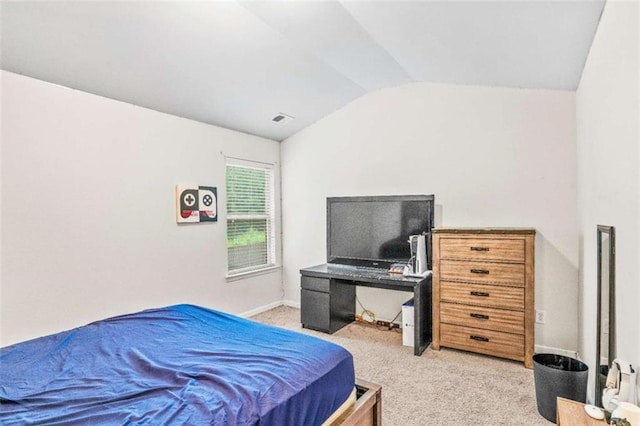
<point>247,274</point>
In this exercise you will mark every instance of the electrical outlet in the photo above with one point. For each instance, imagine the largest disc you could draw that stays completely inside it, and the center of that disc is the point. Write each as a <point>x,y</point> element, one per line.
<point>540,316</point>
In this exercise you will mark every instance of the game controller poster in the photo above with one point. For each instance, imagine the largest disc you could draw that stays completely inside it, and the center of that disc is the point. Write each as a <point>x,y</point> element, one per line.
<point>196,204</point>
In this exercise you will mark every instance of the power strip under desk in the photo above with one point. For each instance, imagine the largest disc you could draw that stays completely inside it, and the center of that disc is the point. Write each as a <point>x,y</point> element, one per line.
<point>378,323</point>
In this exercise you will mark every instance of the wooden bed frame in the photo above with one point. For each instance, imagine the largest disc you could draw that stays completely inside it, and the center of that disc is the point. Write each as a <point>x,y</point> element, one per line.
<point>367,410</point>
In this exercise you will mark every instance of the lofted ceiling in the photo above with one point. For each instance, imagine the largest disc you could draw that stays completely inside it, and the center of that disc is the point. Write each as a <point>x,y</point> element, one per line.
<point>240,64</point>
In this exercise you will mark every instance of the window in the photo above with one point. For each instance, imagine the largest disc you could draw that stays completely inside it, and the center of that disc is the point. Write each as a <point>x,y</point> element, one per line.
<point>250,218</point>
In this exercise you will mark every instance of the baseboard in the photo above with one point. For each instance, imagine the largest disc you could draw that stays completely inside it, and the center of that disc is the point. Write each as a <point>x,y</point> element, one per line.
<point>291,303</point>
<point>261,309</point>
<point>550,350</point>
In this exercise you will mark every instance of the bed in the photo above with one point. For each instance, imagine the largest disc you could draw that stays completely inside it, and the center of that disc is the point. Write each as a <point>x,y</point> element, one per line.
<point>182,364</point>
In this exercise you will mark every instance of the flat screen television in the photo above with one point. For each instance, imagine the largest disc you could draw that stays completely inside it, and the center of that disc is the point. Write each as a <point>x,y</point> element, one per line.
<point>374,231</point>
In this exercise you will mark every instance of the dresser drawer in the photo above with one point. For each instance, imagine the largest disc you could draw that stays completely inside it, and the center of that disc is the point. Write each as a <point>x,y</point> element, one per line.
<point>483,272</point>
<point>485,318</point>
<point>483,341</point>
<point>507,250</point>
<point>482,295</point>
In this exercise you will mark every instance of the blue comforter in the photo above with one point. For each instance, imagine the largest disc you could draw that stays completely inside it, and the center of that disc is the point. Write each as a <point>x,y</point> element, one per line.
<point>177,365</point>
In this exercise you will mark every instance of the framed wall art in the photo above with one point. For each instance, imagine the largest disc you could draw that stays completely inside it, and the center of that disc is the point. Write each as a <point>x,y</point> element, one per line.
<point>195,204</point>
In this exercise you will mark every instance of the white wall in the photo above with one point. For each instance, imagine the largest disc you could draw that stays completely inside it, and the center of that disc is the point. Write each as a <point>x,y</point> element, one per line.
<point>608,135</point>
<point>88,215</point>
<point>492,157</point>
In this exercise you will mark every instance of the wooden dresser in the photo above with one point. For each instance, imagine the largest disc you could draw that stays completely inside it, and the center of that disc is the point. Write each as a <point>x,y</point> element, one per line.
<point>483,288</point>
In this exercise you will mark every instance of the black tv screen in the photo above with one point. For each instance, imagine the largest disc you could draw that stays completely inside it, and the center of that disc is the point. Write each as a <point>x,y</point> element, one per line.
<point>374,231</point>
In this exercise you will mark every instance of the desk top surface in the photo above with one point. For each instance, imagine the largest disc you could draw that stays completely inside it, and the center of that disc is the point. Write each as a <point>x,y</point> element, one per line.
<point>480,231</point>
<point>571,413</point>
<point>362,273</point>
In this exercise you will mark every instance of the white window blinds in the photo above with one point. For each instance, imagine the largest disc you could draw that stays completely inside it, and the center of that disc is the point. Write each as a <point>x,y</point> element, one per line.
<point>250,218</point>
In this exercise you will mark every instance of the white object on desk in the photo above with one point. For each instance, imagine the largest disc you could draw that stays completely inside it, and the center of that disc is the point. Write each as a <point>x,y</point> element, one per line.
<point>629,411</point>
<point>594,412</point>
<point>620,385</point>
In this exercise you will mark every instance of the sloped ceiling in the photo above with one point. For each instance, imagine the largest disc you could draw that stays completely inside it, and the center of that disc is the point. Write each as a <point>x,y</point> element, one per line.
<point>239,64</point>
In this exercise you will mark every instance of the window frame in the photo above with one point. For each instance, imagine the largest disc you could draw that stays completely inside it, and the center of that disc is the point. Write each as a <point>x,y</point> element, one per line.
<point>269,217</point>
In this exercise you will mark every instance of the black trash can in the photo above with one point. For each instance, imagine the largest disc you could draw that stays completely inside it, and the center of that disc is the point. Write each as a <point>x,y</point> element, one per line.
<point>558,375</point>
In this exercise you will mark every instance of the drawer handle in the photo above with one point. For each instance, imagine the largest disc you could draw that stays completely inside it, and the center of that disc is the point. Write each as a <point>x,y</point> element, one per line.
<point>479,338</point>
<point>480,271</point>
<point>479,248</point>
<point>480,293</point>
<point>479,316</point>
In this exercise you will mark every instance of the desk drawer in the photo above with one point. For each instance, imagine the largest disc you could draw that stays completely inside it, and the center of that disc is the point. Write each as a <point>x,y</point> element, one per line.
<point>508,250</point>
<point>483,341</point>
<point>482,295</point>
<point>483,272</point>
<point>484,318</point>
<point>316,284</point>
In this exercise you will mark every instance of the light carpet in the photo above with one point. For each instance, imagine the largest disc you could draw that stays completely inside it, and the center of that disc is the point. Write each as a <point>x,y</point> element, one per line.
<point>446,387</point>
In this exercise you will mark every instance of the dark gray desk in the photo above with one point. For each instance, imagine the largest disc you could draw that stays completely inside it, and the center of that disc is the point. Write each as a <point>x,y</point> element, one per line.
<point>328,297</point>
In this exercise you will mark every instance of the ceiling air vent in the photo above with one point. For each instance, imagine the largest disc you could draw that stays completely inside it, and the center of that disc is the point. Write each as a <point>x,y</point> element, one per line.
<point>281,118</point>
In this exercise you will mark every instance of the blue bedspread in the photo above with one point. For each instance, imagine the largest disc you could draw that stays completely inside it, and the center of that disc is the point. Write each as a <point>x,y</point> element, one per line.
<point>177,365</point>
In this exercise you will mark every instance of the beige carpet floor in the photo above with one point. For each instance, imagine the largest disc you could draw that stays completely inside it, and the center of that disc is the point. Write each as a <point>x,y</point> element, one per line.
<point>445,387</point>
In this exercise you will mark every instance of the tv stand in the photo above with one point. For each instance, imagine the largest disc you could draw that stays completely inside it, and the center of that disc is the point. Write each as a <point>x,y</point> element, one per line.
<point>328,297</point>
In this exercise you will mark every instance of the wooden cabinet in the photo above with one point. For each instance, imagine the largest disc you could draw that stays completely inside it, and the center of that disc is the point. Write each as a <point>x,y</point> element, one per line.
<point>483,291</point>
